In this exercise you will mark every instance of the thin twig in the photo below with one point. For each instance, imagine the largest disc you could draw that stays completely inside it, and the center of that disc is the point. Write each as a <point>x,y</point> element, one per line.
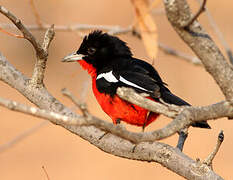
<point>188,58</point>
<point>11,34</point>
<point>46,173</point>
<point>219,34</point>
<point>194,17</point>
<point>114,30</point>
<point>35,12</point>
<point>82,106</point>
<point>209,160</point>
<point>22,136</point>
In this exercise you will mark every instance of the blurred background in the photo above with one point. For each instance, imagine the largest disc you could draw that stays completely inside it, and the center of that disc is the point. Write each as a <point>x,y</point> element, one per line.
<point>65,155</point>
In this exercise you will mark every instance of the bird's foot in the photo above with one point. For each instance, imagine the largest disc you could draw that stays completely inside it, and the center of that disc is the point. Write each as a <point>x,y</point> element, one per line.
<point>118,121</point>
<point>143,127</point>
<point>182,137</point>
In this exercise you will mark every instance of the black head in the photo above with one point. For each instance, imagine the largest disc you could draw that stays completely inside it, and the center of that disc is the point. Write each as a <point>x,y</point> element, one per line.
<point>99,48</point>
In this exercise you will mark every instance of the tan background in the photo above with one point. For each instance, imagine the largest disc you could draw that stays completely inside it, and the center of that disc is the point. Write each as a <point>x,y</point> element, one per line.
<point>66,156</point>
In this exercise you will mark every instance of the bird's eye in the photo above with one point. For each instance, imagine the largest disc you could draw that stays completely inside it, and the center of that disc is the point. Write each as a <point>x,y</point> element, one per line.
<point>91,50</point>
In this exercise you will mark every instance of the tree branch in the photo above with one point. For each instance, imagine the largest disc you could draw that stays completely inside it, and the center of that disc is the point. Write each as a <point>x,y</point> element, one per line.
<point>182,120</point>
<point>41,50</point>
<point>188,58</point>
<point>20,137</point>
<point>153,151</point>
<point>219,34</point>
<point>119,142</point>
<point>199,41</point>
<point>114,30</point>
<point>82,106</point>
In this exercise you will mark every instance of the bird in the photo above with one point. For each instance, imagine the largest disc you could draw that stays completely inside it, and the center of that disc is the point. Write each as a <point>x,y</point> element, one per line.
<point>110,63</point>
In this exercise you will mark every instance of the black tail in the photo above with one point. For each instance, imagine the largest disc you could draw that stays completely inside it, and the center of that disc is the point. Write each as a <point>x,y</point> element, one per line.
<point>170,98</point>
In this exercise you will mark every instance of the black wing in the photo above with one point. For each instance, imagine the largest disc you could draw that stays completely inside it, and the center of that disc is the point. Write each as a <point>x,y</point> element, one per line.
<point>108,82</point>
<point>142,77</point>
<point>136,74</point>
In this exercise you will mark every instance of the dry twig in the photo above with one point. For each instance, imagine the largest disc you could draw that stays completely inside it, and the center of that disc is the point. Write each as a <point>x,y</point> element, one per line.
<point>22,136</point>
<point>113,30</point>
<point>10,34</point>
<point>219,34</point>
<point>209,160</point>
<point>80,105</point>
<point>36,14</point>
<point>194,17</point>
<point>188,58</point>
<point>46,173</point>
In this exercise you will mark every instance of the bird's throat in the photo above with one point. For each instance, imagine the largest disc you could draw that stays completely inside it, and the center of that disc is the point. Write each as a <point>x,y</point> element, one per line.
<point>86,66</point>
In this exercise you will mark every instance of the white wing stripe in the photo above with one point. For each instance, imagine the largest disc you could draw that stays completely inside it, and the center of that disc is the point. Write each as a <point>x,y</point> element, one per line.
<point>131,84</point>
<point>108,76</point>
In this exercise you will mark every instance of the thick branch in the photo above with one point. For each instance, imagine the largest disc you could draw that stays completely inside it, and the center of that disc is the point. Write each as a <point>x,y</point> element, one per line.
<point>130,95</point>
<point>199,41</point>
<point>156,152</point>
<point>184,119</point>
